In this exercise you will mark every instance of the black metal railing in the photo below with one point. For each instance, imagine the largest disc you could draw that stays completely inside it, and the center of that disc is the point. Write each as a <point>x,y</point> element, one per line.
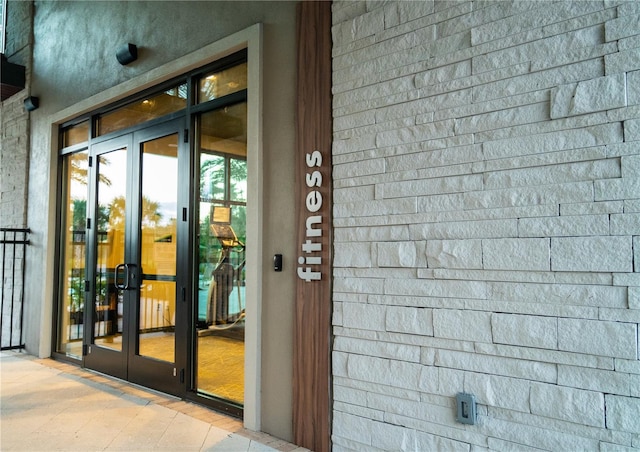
<point>14,250</point>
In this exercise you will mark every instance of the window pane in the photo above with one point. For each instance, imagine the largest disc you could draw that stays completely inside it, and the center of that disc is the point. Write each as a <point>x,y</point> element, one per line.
<point>73,275</point>
<point>218,84</point>
<point>158,105</point>
<point>238,189</point>
<point>213,176</point>
<point>75,134</point>
<point>221,245</point>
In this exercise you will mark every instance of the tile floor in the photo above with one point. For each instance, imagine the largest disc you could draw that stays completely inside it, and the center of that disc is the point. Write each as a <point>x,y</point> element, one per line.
<point>48,405</point>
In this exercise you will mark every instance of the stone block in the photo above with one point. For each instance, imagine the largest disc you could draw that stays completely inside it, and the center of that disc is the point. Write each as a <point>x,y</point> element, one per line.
<point>386,436</point>
<point>405,375</point>
<point>495,365</point>
<point>464,230</point>
<point>397,254</point>
<point>436,288</point>
<point>358,285</point>
<point>449,382</point>
<point>409,320</point>
<point>636,254</point>
<point>363,316</point>
<point>591,254</point>
<point>422,187</point>
<point>625,223</point>
<point>622,413</point>
<point>592,208</point>
<point>379,349</point>
<point>613,339</point>
<point>357,169</point>
<point>568,225</point>
<point>614,189</point>
<point>623,61</point>
<point>516,254</point>
<point>355,428</point>
<point>632,126</point>
<point>454,253</point>
<point>622,27</point>
<point>598,380</point>
<point>369,369</point>
<point>599,94</point>
<point>495,391</point>
<point>554,141</point>
<point>356,255</point>
<point>633,89</point>
<point>553,174</point>
<point>462,325</point>
<point>339,364</point>
<point>530,196</point>
<point>568,404</point>
<point>525,330</point>
<point>559,294</point>
<point>375,208</point>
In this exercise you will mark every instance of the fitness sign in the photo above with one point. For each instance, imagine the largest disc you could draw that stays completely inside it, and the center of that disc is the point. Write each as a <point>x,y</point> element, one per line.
<point>310,259</point>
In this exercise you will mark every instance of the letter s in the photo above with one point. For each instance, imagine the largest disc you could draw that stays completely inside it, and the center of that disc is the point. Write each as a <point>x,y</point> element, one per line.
<point>314,159</point>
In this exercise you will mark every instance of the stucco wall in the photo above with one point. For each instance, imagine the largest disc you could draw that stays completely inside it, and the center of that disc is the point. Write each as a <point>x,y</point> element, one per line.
<point>487,224</point>
<point>74,58</point>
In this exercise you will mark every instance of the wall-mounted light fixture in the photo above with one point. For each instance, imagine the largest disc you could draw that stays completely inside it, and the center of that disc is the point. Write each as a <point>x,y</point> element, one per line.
<point>127,54</point>
<point>31,103</point>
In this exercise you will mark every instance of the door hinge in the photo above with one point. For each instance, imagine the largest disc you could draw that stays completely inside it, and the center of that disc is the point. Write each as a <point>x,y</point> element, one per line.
<point>181,375</point>
<point>186,135</point>
<point>90,162</point>
<point>86,350</point>
<point>86,285</point>
<point>184,214</point>
<point>174,372</point>
<point>88,223</point>
<point>184,294</point>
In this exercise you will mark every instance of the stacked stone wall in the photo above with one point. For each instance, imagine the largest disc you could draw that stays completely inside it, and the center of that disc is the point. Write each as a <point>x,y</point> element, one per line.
<point>14,122</point>
<point>487,224</point>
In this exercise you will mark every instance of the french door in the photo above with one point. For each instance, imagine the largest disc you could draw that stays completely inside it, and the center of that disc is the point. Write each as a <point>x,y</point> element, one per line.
<point>137,232</point>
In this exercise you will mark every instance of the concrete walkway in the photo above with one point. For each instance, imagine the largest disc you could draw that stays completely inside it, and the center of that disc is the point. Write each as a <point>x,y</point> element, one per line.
<point>48,405</point>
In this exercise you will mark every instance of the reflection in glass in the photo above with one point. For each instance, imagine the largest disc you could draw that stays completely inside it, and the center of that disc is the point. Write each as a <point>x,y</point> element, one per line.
<point>76,134</point>
<point>222,236</point>
<point>110,226</point>
<point>218,84</point>
<point>156,327</point>
<point>155,106</point>
<point>73,274</point>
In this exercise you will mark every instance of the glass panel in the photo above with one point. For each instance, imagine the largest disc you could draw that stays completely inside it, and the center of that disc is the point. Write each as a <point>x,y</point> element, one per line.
<point>73,274</point>
<point>224,131</point>
<point>218,84</point>
<point>213,179</point>
<point>155,106</point>
<point>221,272</point>
<point>75,134</point>
<point>238,184</point>
<point>110,226</point>
<point>156,328</point>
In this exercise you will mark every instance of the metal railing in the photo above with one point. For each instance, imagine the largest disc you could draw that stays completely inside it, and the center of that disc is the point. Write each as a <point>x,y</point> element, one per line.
<point>14,249</point>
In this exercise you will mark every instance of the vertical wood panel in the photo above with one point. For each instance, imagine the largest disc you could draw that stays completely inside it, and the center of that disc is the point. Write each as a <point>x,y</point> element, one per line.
<point>312,329</point>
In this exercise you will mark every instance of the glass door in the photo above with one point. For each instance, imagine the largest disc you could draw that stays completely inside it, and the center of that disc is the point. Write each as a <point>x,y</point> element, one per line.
<point>139,216</point>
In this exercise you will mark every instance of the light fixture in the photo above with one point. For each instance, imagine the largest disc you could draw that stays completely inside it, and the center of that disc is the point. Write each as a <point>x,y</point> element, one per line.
<point>127,54</point>
<point>31,103</point>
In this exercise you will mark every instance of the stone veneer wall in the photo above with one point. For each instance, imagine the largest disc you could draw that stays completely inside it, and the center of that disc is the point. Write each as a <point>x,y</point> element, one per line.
<point>14,122</point>
<point>487,224</point>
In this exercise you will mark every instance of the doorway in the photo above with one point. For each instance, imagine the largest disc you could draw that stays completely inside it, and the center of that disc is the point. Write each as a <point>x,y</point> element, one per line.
<point>153,227</point>
<point>139,205</point>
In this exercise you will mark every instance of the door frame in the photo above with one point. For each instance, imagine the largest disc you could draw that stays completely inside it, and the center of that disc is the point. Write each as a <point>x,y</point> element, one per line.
<point>251,39</point>
<point>127,363</point>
